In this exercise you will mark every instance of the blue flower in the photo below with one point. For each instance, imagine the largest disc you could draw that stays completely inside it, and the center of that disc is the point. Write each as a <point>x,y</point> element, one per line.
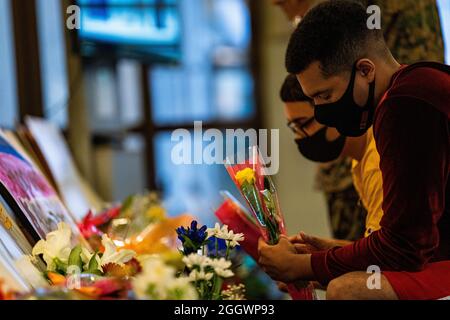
<point>221,246</point>
<point>192,238</point>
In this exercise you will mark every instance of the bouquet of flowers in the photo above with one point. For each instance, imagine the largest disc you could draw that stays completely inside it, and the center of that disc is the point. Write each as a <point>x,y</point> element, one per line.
<point>124,220</point>
<point>258,190</point>
<point>207,260</point>
<point>94,274</point>
<point>139,224</point>
<point>159,281</point>
<point>239,219</point>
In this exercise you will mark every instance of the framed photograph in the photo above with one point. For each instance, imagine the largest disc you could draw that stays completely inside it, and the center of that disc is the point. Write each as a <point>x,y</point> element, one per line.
<point>13,250</point>
<point>54,152</point>
<point>29,195</point>
<point>11,228</point>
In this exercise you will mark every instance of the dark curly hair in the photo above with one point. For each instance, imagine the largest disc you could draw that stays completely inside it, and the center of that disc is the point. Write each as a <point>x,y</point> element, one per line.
<point>335,34</point>
<point>291,91</point>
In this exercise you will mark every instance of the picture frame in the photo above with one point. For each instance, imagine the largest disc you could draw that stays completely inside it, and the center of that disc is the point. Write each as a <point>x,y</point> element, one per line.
<point>33,201</point>
<point>54,154</point>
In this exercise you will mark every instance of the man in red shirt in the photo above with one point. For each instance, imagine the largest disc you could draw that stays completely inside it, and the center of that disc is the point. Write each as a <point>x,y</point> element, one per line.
<point>355,82</point>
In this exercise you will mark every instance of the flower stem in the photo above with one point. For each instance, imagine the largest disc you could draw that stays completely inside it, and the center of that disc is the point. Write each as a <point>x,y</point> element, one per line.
<point>217,286</point>
<point>217,248</point>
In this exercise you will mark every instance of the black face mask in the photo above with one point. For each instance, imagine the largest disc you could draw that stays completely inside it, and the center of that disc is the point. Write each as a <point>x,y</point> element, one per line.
<point>318,149</point>
<point>350,119</point>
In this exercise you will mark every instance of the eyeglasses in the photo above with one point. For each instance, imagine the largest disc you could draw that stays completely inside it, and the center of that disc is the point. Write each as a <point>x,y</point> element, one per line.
<point>298,126</point>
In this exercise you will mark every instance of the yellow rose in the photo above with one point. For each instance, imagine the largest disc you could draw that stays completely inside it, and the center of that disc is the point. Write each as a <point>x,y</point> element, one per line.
<point>246,175</point>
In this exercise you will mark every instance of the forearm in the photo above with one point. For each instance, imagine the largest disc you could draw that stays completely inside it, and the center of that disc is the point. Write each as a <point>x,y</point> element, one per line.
<point>341,243</point>
<point>303,269</point>
<point>386,250</point>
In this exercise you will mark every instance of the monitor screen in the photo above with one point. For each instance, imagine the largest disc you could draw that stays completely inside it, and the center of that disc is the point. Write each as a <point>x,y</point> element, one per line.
<point>143,29</point>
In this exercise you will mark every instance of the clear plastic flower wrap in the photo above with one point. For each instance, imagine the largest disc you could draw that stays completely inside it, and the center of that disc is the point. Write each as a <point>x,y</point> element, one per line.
<point>257,188</point>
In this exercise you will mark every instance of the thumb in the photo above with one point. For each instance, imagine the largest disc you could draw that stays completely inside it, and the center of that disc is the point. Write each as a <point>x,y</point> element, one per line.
<point>261,244</point>
<point>312,240</point>
<point>296,239</point>
<point>302,248</point>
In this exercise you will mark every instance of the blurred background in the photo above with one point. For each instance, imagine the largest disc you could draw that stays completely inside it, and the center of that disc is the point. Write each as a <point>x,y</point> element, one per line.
<point>138,69</point>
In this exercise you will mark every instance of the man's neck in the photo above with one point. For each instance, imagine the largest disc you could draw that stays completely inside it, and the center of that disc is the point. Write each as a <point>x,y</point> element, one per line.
<point>385,71</point>
<point>355,147</point>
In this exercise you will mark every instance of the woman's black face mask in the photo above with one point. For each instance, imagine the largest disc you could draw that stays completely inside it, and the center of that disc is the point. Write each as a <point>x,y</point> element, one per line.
<point>350,119</point>
<point>318,149</point>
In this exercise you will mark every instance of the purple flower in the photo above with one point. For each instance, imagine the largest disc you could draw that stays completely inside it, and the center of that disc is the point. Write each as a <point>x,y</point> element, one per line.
<point>192,238</point>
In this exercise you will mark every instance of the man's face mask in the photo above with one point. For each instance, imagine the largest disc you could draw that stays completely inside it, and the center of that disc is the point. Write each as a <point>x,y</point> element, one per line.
<point>345,115</point>
<point>316,147</point>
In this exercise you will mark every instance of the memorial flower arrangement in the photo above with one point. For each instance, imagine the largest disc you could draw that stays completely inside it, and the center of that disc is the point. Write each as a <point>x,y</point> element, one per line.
<point>124,220</point>
<point>95,274</point>
<point>159,281</point>
<point>139,224</point>
<point>59,255</point>
<point>207,265</point>
<point>76,272</point>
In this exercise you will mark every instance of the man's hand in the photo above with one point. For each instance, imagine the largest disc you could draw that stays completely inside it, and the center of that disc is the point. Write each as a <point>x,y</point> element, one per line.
<point>282,262</point>
<point>282,287</point>
<point>305,244</point>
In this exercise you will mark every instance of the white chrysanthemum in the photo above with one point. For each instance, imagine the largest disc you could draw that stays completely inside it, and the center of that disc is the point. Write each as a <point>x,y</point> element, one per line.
<point>154,273</point>
<point>224,273</point>
<point>196,260</point>
<point>157,281</point>
<point>57,245</point>
<point>217,231</point>
<point>197,275</point>
<point>230,237</point>
<point>221,263</point>
<point>221,267</point>
<point>181,289</point>
<point>234,239</point>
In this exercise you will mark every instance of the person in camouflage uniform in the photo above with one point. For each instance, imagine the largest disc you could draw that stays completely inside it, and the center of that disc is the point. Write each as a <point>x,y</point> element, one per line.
<point>412,31</point>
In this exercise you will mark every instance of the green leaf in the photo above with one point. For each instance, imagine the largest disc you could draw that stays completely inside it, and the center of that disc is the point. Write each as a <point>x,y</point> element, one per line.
<point>93,266</point>
<point>61,267</point>
<point>251,195</point>
<point>217,287</point>
<point>126,204</point>
<point>75,257</point>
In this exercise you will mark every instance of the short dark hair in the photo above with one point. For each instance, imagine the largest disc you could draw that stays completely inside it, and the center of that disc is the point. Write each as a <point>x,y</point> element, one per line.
<point>291,91</point>
<point>335,34</point>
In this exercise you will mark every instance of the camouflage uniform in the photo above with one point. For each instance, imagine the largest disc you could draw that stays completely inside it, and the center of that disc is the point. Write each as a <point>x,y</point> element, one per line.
<point>413,33</point>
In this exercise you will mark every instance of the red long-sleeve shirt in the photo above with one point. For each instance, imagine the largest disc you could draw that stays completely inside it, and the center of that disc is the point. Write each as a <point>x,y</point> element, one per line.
<point>411,129</point>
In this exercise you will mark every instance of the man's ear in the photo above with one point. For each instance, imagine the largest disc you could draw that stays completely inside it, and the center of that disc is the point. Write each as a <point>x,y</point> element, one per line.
<point>366,69</point>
